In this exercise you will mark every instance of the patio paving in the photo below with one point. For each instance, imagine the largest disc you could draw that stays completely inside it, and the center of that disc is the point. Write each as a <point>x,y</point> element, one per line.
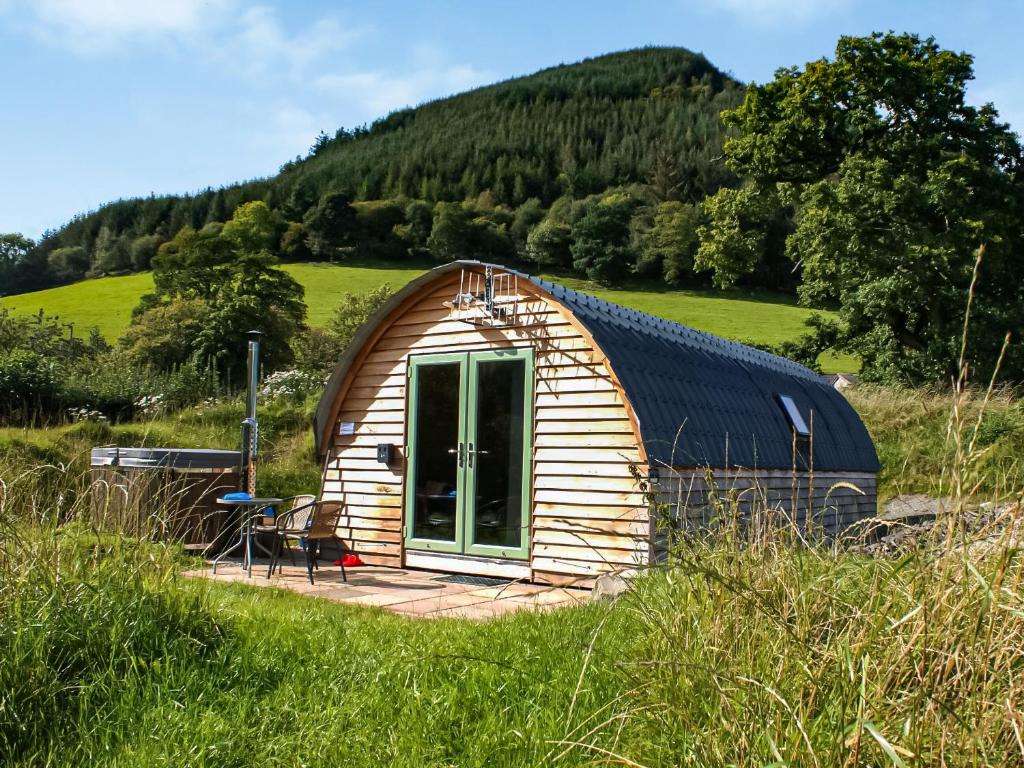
<point>409,592</point>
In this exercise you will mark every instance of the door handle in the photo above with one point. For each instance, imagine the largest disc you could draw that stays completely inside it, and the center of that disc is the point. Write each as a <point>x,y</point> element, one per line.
<point>473,453</point>
<point>461,452</point>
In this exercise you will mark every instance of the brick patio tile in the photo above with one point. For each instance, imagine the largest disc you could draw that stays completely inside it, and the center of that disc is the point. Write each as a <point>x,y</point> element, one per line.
<point>381,599</point>
<point>424,605</point>
<point>508,590</point>
<point>464,598</point>
<point>551,597</point>
<point>342,594</point>
<point>410,593</point>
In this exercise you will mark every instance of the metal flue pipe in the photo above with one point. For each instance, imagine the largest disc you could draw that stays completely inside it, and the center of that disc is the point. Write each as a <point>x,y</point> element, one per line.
<point>250,427</point>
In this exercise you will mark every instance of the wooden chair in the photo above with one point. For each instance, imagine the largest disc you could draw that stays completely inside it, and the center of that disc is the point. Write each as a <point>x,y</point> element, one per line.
<point>309,528</point>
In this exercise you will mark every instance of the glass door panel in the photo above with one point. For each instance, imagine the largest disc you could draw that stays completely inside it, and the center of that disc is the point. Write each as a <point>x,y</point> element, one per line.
<point>437,458</point>
<point>498,452</point>
<point>470,438</point>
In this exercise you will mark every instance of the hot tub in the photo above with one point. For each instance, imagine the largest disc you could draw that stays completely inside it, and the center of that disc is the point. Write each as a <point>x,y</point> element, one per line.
<point>167,494</point>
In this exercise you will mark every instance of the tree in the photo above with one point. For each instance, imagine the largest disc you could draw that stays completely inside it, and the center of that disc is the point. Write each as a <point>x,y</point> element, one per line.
<point>548,244</point>
<point>668,247</point>
<point>111,254</point>
<point>194,264</point>
<point>330,224</point>
<point>293,243</point>
<point>376,237</point>
<point>353,311</point>
<point>254,227</point>
<point>895,182</point>
<point>732,243</point>
<point>14,253</point>
<point>490,240</point>
<point>159,337</point>
<point>451,237</point>
<point>419,219</point>
<point>601,239</point>
<point>69,263</point>
<point>142,251</point>
<point>241,290</point>
<point>528,215</point>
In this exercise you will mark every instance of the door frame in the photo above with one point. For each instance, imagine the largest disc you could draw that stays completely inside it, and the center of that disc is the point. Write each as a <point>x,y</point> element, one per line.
<point>416,362</point>
<point>522,552</point>
<point>466,479</point>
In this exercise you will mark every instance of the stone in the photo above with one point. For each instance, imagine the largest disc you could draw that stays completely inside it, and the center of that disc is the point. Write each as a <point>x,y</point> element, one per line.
<point>609,586</point>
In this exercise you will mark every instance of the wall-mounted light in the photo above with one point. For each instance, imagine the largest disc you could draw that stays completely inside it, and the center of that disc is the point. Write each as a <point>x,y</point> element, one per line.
<point>653,475</point>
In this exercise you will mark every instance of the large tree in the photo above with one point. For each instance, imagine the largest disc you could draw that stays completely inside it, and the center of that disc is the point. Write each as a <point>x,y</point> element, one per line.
<point>601,246</point>
<point>233,289</point>
<point>22,264</point>
<point>894,183</point>
<point>330,225</point>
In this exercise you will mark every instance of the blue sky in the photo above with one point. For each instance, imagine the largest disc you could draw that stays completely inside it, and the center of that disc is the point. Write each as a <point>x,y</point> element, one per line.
<point>116,98</point>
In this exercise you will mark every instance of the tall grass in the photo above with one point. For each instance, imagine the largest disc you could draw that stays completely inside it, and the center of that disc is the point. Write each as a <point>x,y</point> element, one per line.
<point>747,648</point>
<point>758,649</point>
<point>108,656</point>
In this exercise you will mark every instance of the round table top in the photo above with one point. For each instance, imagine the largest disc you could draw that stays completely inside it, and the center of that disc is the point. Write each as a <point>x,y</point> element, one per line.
<point>258,502</point>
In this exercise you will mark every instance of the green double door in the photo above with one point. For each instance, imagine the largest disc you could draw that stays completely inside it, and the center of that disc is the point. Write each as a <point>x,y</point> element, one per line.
<point>470,435</point>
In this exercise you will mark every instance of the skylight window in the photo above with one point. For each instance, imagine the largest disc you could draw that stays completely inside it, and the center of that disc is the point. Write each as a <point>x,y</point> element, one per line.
<point>796,419</point>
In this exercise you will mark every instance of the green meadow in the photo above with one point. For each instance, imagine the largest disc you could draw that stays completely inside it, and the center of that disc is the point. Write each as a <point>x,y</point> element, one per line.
<point>760,317</point>
<point>741,651</point>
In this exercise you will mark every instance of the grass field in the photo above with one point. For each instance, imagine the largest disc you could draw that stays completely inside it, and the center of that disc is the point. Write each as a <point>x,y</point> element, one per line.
<point>742,652</point>
<point>751,316</point>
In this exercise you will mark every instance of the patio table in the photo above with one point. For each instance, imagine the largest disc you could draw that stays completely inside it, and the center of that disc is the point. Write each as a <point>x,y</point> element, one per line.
<point>250,510</point>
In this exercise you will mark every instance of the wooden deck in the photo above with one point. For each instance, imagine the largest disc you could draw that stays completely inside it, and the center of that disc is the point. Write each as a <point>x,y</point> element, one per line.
<point>413,593</point>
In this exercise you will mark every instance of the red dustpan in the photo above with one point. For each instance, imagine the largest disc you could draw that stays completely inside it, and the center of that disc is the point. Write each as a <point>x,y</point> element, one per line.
<point>349,561</point>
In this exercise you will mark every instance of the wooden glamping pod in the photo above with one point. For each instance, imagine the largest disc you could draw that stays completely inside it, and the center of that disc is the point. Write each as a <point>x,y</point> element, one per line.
<point>488,422</point>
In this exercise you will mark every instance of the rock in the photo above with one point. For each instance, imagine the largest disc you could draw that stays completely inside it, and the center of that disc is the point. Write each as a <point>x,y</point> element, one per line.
<point>909,523</point>
<point>610,585</point>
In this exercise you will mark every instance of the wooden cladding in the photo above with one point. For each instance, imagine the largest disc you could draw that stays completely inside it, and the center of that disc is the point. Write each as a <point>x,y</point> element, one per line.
<point>588,516</point>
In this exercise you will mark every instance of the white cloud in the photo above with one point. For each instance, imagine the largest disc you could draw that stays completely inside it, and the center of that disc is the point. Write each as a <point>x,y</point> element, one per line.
<point>775,12</point>
<point>231,33</point>
<point>381,91</point>
<point>260,45</point>
<point>99,26</point>
<point>287,131</point>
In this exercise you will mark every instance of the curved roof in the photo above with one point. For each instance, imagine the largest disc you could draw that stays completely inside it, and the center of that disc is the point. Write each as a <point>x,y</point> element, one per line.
<point>699,400</point>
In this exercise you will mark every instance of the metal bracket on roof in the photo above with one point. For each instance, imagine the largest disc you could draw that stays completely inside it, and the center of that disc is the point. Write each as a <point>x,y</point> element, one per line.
<point>487,299</point>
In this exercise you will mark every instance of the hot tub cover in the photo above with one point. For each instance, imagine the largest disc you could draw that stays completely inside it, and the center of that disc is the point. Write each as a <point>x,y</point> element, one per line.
<point>165,458</point>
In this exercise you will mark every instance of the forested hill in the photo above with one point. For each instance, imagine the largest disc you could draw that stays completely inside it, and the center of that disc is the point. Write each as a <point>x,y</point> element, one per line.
<point>645,121</point>
<point>579,128</point>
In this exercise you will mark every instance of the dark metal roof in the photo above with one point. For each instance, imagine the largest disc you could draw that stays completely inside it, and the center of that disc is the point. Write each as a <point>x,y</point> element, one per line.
<point>700,400</point>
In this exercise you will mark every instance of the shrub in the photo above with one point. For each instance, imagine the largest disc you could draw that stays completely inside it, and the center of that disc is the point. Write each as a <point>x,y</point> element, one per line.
<point>30,386</point>
<point>354,310</point>
<point>162,336</point>
<point>142,251</point>
<point>316,351</point>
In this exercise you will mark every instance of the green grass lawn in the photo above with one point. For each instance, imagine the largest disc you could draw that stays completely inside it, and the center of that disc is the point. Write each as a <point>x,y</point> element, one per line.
<point>736,656</point>
<point>760,317</point>
<point>767,653</point>
<point>105,303</point>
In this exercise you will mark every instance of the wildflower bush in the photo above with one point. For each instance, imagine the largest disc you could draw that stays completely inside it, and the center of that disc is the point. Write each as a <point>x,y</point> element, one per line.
<point>291,383</point>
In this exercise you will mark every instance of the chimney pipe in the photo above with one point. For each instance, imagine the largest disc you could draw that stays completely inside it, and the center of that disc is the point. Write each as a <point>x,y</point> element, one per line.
<point>250,427</point>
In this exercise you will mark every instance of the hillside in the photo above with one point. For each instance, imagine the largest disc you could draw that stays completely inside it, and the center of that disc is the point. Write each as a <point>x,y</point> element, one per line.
<point>587,126</point>
<point>646,118</point>
<point>760,317</point>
